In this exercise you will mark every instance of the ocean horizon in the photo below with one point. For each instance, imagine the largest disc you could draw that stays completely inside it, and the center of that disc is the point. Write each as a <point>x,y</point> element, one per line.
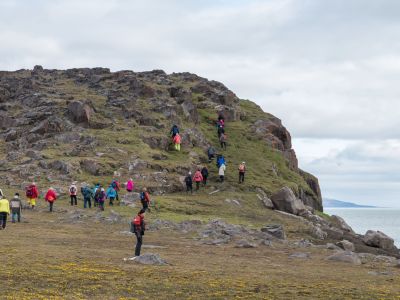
<point>362,219</point>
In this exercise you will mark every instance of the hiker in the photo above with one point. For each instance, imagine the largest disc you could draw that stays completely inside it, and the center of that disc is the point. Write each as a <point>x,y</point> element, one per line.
<point>204,173</point>
<point>210,153</point>
<point>116,186</point>
<point>111,194</point>
<point>32,194</point>
<point>221,172</point>
<point>87,196</point>
<point>220,130</point>
<point>72,193</point>
<point>4,211</point>
<point>222,140</point>
<point>96,194</point>
<point>198,178</point>
<point>242,170</point>
<point>174,130</point>
<point>101,198</point>
<point>221,121</point>
<point>138,226</point>
<point>220,161</point>
<point>16,208</point>
<point>189,183</point>
<point>177,142</point>
<point>145,199</point>
<point>51,197</point>
<point>130,185</point>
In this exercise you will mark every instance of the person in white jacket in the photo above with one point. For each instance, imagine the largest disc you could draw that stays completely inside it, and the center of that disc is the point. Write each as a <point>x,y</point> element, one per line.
<point>221,172</point>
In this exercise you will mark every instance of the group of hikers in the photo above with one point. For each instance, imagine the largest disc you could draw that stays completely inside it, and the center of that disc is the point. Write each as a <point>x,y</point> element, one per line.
<point>99,194</point>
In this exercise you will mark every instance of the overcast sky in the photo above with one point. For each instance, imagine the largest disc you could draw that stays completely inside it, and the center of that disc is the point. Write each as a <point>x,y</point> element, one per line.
<point>328,69</point>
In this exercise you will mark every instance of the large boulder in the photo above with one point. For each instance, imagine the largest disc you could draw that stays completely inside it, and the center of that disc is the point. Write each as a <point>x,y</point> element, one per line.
<point>285,200</point>
<point>346,257</point>
<point>79,112</point>
<point>379,240</point>
<point>339,221</point>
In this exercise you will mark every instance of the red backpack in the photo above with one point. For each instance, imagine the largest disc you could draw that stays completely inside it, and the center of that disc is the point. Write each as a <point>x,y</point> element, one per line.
<point>137,221</point>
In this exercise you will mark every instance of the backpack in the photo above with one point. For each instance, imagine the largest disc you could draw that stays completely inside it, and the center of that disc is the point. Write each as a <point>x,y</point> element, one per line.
<point>241,167</point>
<point>29,192</point>
<point>142,196</point>
<point>97,194</point>
<point>114,184</point>
<point>72,190</point>
<point>137,221</point>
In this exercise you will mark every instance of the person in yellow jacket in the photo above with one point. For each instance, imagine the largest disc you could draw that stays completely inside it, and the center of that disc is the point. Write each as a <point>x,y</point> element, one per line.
<point>4,212</point>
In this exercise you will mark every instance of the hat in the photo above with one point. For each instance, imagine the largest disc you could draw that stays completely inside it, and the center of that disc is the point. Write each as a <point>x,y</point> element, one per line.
<point>243,162</point>
<point>190,173</point>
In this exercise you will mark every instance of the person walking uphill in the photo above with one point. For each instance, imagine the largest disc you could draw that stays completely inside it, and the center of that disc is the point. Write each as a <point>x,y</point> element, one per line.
<point>50,197</point>
<point>16,208</point>
<point>222,140</point>
<point>101,198</point>
<point>138,226</point>
<point>177,142</point>
<point>87,196</point>
<point>111,194</point>
<point>4,212</point>
<point>116,186</point>
<point>174,131</point>
<point>130,185</point>
<point>72,194</point>
<point>32,194</point>
<point>189,183</point>
<point>204,173</point>
<point>221,172</point>
<point>242,171</point>
<point>96,193</point>
<point>198,178</point>
<point>145,199</point>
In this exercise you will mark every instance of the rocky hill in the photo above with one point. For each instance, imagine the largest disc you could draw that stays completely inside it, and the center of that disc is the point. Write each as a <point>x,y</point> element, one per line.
<point>91,125</point>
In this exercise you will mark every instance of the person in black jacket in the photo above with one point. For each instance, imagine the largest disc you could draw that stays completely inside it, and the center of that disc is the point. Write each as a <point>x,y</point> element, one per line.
<point>189,183</point>
<point>138,226</point>
<point>204,172</point>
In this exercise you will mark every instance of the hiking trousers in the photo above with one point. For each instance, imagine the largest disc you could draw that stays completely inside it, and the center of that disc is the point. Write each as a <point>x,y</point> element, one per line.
<point>178,147</point>
<point>139,238</point>
<point>241,177</point>
<point>223,145</point>
<point>189,188</point>
<point>74,200</point>
<point>205,180</point>
<point>3,219</point>
<point>221,178</point>
<point>16,215</point>
<point>51,205</point>
<point>197,185</point>
<point>87,202</point>
<point>111,201</point>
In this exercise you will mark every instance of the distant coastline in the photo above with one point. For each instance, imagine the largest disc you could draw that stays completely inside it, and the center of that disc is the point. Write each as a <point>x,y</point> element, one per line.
<point>330,203</point>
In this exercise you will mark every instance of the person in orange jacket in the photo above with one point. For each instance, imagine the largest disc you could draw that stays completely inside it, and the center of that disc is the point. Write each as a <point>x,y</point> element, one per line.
<point>51,197</point>
<point>177,142</point>
<point>198,178</point>
<point>138,226</point>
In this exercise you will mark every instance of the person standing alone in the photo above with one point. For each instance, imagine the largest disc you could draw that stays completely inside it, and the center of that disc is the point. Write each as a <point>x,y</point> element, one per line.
<point>16,208</point>
<point>242,171</point>
<point>138,226</point>
<point>72,194</point>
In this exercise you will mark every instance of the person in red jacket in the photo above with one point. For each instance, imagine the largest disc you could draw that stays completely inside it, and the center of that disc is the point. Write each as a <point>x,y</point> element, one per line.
<point>138,226</point>
<point>51,197</point>
<point>32,194</point>
<point>198,178</point>
<point>177,142</point>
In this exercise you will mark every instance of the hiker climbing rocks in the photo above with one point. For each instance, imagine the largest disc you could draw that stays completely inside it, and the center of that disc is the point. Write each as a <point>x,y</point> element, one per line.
<point>87,196</point>
<point>73,190</point>
<point>145,199</point>
<point>4,212</point>
<point>32,194</point>
<point>220,161</point>
<point>198,178</point>
<point>177,142</point>
<point>221,172</point>
<point>174,130</point>
<point>101,198</point>
<point>138,226</point>
<point>111,194</point>
<point>96,194</point>
<point>189,183</point>
<point>242,171</point>
<point>50,197</point>
<point>130,185</point>
<point>204,173</point>
<point>222,140</point>
<point>210,153</point>
<point>16,208</point>
<point>116,186</point>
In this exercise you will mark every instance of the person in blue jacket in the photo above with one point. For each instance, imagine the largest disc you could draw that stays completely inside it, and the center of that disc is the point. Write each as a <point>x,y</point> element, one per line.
<point>220,161</point>
<point>111,194</point>
<point>87,196</point>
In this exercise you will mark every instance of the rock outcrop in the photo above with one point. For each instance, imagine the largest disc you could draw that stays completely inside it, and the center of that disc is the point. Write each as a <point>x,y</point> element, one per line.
<point>285,200</point>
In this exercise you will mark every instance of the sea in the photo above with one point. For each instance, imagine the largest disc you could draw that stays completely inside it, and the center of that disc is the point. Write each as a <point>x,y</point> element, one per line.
<point>386,220</point>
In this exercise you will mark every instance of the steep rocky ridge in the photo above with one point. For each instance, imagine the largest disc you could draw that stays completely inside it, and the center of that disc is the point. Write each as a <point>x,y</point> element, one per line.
<point>93,124</point>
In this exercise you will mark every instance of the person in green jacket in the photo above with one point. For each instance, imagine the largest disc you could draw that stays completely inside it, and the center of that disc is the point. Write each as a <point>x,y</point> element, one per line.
<point>4,212</point>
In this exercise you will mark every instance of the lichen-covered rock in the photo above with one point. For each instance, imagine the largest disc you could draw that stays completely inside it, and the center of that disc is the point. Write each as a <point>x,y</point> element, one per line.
<point>286,201</point>
<point>379,239</point>
<point>79,112</point>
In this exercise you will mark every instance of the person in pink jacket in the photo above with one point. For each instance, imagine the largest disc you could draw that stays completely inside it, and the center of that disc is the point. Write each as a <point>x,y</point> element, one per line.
<point>130,185</point>
<point>198,178</point>
<point>177,142</point>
